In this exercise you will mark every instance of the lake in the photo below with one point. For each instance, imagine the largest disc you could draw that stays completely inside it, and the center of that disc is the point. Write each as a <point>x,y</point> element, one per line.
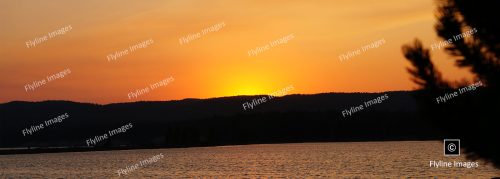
<point>302,160</point>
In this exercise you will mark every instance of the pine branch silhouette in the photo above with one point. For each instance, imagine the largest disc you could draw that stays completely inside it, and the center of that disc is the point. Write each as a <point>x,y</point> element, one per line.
<point>475,35</point>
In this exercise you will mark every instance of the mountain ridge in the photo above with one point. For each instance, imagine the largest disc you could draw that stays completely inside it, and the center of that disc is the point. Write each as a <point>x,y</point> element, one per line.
<point>216,121</point>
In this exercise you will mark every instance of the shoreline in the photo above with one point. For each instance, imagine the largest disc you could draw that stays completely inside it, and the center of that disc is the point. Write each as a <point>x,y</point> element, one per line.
<point>43,150</point>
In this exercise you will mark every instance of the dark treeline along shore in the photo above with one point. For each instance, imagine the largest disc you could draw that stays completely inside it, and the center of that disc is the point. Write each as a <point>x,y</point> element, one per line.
<point>211,122</point>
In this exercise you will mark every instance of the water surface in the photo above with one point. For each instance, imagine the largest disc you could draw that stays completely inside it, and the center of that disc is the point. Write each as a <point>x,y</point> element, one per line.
<point>306,160</point>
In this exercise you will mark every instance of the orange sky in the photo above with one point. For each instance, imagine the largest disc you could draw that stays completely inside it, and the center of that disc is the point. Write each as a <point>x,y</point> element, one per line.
<point>216,64</point>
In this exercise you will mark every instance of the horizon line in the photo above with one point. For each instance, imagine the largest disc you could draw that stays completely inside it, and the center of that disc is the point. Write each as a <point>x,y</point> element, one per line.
<point>217,97</point>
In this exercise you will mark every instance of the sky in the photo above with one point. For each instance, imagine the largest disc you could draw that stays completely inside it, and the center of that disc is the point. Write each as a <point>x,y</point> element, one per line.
<point>217,63</point>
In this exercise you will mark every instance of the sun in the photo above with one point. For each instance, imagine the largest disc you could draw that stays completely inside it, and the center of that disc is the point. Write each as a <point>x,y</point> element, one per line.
<point>247,90</point>
<point>247,86</point>
<point>242,82</point>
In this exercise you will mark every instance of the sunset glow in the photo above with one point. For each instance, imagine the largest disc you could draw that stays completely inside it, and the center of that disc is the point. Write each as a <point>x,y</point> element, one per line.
<point>214,64</point>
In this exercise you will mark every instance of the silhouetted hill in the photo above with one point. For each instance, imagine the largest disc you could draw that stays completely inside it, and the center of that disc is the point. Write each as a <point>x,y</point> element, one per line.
<point>216,121</point>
